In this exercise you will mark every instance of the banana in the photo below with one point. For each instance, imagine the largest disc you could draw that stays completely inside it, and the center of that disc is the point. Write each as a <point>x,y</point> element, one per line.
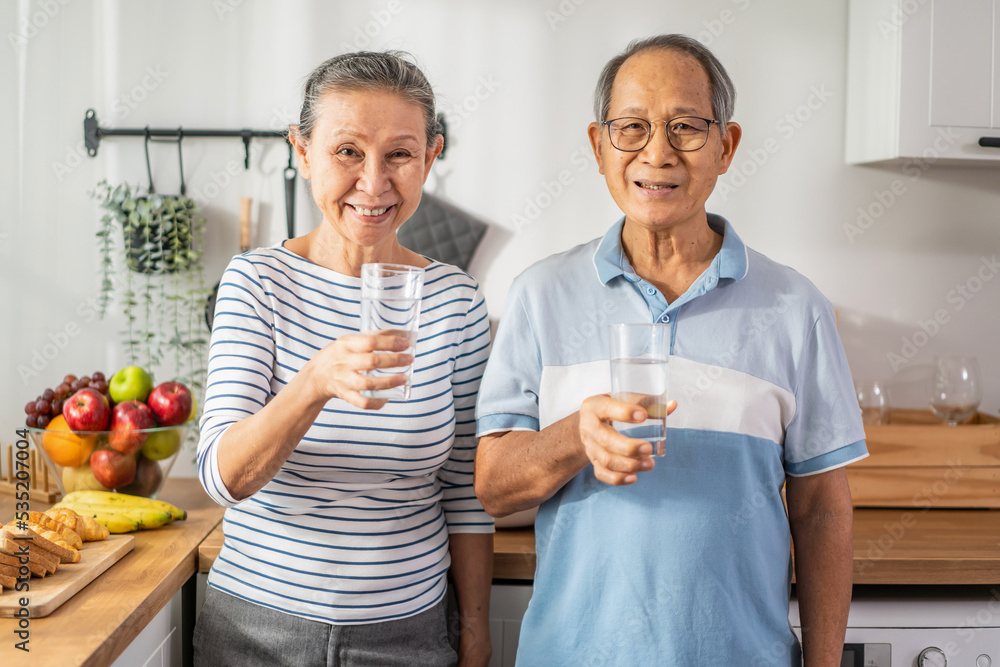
<point>126,500</point>
<point>124,517</point>
<point>116,524</point>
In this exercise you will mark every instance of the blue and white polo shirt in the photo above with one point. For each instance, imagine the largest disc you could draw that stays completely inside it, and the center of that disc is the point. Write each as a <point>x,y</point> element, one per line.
<point>693,560</point>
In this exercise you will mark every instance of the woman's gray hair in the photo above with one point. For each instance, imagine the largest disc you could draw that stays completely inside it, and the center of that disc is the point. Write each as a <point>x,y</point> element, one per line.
<point>385,71</point>
<point>722,89</point>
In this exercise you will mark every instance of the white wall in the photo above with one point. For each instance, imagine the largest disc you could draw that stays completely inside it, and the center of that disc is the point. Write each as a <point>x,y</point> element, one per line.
<point>516,80</point>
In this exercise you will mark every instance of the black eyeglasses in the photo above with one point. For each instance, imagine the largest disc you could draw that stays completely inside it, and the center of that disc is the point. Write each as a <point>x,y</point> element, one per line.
<point>685,133</point>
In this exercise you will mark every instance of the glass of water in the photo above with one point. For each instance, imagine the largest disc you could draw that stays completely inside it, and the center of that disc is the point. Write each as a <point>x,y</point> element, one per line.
<point>390,302</point>
<point>639,373</point>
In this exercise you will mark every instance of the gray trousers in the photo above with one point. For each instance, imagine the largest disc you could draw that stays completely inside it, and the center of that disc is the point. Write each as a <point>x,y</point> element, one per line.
<point>233,632</point>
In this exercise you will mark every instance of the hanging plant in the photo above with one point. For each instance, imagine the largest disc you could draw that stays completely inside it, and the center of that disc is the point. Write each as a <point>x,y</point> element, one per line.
<point>158,230</point>
<point>162,290</point>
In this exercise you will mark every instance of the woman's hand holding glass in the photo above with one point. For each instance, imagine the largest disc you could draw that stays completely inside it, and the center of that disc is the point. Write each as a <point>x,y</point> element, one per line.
<point>617,459</point>
<point>339,369</point>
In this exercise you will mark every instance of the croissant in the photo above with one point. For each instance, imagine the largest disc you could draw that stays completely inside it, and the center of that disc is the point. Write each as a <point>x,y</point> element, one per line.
<point>86,527</point>
<point>50,523</point>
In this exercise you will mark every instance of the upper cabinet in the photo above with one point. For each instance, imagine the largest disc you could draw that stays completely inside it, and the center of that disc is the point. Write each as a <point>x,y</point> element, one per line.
<point>923,80</point>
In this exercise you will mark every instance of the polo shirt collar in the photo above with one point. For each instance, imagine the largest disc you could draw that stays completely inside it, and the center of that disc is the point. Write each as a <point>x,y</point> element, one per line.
<point>610,260</point>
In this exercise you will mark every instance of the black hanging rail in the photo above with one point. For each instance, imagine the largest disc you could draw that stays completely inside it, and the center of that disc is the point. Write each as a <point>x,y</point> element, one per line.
<point>93,133</point>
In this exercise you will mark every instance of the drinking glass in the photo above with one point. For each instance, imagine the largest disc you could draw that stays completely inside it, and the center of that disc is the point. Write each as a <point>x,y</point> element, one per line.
<point>639,355</point>
<point>390,302</point>
<point>873,401</point>
<point>955,389</point>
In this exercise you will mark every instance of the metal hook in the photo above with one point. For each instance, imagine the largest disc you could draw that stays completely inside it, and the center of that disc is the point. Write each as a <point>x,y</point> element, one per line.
<point>290,174</point>
<point>246,148</point>
<point>149,170</point>
<point>180,158</point>
<point>443,131</point>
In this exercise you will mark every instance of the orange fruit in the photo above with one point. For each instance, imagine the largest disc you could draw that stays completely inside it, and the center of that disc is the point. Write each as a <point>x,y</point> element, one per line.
<point>64,447</point>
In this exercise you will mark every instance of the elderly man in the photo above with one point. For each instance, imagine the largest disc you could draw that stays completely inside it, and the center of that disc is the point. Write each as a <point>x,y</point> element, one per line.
<point>684,559</point>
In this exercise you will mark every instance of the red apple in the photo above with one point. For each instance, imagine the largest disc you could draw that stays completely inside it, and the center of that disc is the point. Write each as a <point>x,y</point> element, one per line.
<point>87,410</point>
<point>171,403</point>
<point>126,419</point>
<point>112,469</point>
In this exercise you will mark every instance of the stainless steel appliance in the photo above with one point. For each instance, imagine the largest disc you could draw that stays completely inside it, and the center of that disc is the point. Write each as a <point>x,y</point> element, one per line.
<point>926,627</point>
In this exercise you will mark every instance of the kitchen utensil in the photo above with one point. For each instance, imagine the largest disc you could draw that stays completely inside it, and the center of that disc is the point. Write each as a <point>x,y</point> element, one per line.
<point>246,204</point>
<point>246,207</point>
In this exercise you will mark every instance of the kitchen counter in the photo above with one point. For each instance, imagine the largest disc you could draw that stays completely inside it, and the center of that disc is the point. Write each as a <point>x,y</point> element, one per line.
<point>94,626</point>
<point>891,546</point>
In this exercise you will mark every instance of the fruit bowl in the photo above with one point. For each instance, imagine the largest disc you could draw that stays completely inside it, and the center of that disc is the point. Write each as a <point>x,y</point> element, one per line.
<point>134,462</point>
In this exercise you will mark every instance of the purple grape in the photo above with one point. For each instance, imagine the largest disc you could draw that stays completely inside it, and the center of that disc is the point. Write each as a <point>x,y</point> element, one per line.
<point>63,390</point>
<point>42,421</point>
<point>97,377</point>
<point>43,407</point>
<point>57,407</point>
<point>30,408</point>
<point>48,394</point>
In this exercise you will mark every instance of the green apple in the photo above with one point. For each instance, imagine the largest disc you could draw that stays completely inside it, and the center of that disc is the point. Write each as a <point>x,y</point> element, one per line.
<point>81,478</point>
<point>130,384</point>
<point>161,445</point>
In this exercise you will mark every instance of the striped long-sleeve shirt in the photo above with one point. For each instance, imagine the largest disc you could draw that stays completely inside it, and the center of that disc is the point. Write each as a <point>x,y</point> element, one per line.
<point>354,526</point>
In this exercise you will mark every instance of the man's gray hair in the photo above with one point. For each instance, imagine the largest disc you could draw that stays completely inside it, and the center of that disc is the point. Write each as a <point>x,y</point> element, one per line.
<point>722,89</point>
<point>387,71</point>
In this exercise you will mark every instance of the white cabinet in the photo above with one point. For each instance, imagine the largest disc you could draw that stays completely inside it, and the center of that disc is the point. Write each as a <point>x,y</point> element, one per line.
<point>923,80</point>
<point>159,643</point>
<point>507,606</point>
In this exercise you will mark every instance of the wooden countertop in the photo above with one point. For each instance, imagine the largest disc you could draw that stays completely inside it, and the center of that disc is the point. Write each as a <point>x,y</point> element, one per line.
<point>891,546</point>
<point>926,547</point>
<point>93,627</point>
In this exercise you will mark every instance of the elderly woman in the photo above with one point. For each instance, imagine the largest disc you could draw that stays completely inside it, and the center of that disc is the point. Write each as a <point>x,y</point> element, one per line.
<point>347,516</point>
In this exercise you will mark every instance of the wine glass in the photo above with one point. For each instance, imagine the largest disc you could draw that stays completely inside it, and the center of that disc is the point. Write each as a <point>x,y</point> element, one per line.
<point>955,390</point>
<point>873,402</point>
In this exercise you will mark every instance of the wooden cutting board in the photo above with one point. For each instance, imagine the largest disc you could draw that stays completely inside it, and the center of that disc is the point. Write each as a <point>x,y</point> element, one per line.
<point>46,594</point>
